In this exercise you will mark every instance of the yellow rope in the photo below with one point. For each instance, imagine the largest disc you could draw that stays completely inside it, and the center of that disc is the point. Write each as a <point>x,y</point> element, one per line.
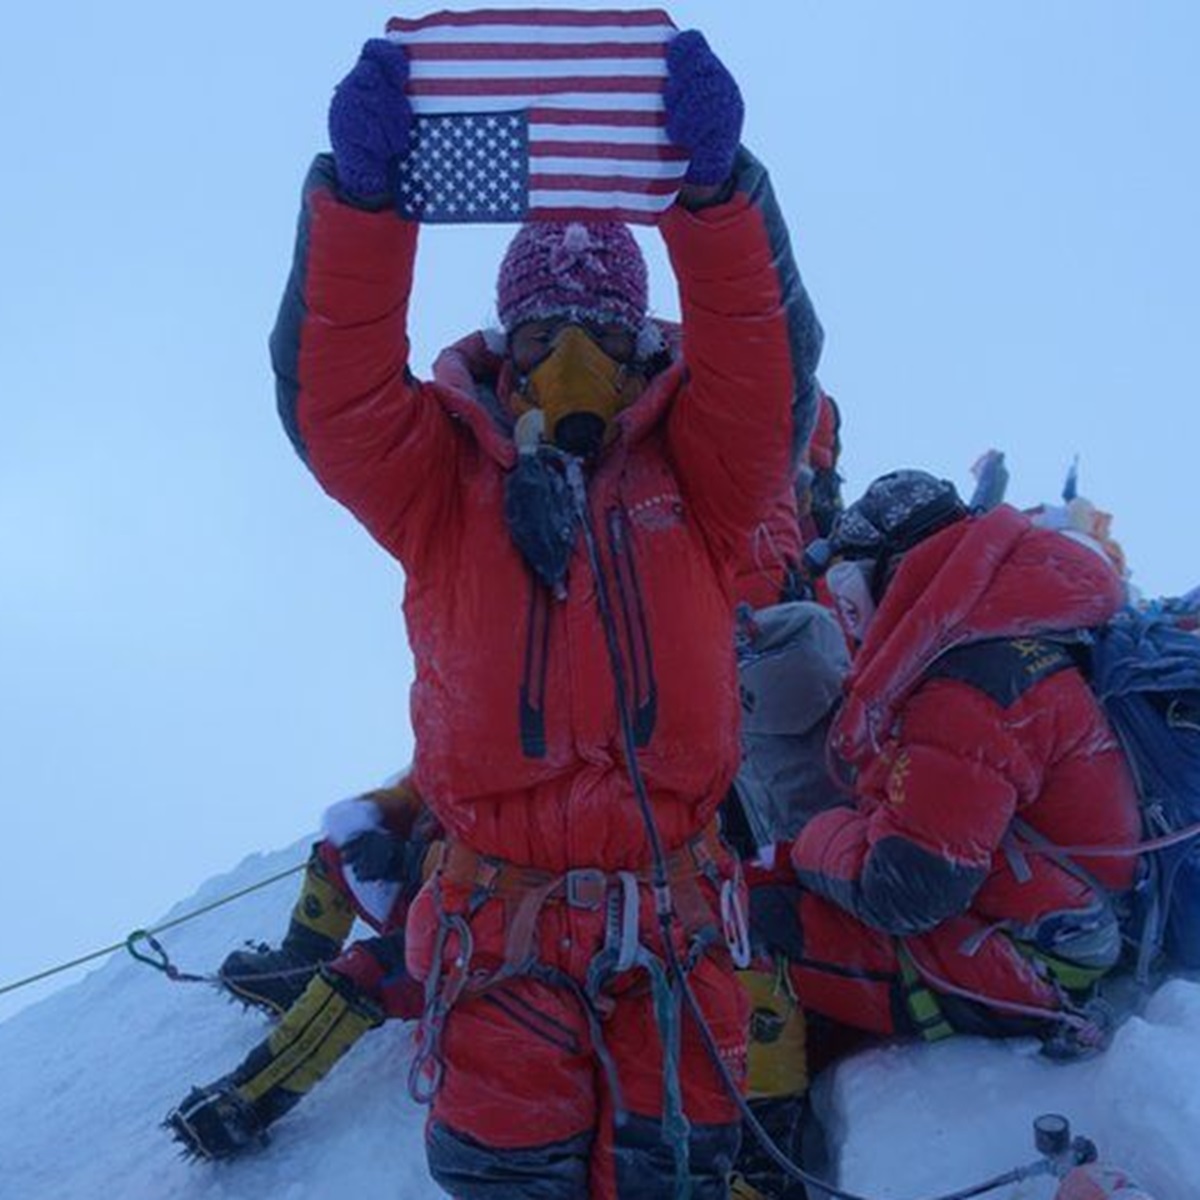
<point>121,945</point>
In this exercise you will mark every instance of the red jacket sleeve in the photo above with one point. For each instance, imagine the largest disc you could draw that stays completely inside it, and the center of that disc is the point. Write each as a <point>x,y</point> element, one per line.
<point>917,847</point>
<point>751,341</point>
<point>376,439</point>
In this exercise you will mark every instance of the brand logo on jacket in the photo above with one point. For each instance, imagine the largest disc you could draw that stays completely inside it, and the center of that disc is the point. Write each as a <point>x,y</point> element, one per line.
<point>896,791</point>
<point>661,511</point>
<point>1038,658</point>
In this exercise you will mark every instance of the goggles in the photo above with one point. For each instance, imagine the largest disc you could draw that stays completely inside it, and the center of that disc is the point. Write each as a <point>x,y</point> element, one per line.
<point>532,342</point>
<point>882,535</point>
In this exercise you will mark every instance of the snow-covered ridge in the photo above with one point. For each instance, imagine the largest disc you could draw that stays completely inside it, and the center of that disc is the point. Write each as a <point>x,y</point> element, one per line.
<point>87,1075</point>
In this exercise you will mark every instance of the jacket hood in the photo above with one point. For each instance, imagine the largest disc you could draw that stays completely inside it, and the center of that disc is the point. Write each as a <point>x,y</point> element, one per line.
<point>990,576</point>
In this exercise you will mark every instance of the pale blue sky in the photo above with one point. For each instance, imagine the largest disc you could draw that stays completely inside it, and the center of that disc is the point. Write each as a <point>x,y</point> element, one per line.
<point>993,204</point>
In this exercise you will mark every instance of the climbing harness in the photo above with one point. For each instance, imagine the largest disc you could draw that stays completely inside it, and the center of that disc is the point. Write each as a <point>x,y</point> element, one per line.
<point>442,990</point>
<point>525,892</point>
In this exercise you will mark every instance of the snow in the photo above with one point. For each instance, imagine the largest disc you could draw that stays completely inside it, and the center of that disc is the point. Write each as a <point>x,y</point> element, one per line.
<point>89,1072</point>
<point>964,1108</point>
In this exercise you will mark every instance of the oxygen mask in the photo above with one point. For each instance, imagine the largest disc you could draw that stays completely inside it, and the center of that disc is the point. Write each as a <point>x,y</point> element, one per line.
<point>577,383</point>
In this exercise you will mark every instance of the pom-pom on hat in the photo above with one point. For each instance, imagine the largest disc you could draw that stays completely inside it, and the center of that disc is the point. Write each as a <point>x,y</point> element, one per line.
<point>592,271</point>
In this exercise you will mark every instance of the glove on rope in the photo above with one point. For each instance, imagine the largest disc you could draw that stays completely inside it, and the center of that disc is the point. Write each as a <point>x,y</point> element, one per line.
<point>370,119</point>
<point>377,854</point>
<point>704,108</point>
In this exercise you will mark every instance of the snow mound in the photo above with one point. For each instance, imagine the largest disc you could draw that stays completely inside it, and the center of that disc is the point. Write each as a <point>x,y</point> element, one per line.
<point>960,1111</point>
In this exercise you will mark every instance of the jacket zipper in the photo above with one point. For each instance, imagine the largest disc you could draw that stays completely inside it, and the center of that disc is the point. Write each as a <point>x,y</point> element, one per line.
<point>532,701</point>
<point>637,631</point>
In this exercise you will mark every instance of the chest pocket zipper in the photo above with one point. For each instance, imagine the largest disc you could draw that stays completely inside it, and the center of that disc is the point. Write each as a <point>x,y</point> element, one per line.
<point>640,660</point>
<point>532,704</point>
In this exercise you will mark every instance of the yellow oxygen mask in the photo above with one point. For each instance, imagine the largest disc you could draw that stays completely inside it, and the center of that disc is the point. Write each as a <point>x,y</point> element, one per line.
<point>580,390</point>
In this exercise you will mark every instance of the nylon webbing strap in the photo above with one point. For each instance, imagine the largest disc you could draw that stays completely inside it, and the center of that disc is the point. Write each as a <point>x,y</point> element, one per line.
<point>668,1017</point>
<point>922,1005</point>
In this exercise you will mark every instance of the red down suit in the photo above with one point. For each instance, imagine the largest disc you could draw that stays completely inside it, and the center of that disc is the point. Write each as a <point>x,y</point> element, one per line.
<point>769,571</point>
<point>974,740</point>
<point>518,746</point>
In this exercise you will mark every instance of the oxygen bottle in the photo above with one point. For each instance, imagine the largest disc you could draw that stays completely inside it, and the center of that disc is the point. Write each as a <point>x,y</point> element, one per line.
<point>1098,1182</point>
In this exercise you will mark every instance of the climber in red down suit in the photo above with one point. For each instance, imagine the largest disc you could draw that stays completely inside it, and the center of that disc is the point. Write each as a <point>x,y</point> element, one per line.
<point>934,900</point>
<point>537,935</point>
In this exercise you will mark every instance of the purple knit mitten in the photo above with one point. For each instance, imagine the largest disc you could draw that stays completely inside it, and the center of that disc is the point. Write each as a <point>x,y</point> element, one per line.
<point>370,119</point>
<point>704,108</point>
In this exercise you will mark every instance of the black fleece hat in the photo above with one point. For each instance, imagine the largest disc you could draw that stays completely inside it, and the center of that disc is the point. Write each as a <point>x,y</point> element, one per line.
<point>896,512</point>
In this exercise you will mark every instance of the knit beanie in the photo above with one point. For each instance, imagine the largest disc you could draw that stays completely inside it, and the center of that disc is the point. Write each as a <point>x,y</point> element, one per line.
<point>592,271</point>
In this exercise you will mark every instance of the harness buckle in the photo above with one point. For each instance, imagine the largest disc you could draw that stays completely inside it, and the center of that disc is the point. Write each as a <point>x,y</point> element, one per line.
<point>585,888</point>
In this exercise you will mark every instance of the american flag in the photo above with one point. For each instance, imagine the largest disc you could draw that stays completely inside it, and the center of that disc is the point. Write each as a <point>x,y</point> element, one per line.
<point>526,114</point>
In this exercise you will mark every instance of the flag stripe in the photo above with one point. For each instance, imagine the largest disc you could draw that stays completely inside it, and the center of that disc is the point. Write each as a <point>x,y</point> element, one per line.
<point>547,181</point>
<point>556,37</point>
<point>423,52</point>
<point>635,85</point>
<point>551,71</point>
<point>672,172</point>
<point>584,116</point>
<point>627,151</point>
<point>616,105</point>
<point>621,139</point>
<point>575,206</point>
<point>540,18</point>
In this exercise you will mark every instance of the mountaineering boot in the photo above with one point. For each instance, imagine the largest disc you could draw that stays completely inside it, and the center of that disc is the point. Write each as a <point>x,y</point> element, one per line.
<point>227,1117</point>
<point>215,1122</point>
<point>320,922</point>
<point>776,1086</point>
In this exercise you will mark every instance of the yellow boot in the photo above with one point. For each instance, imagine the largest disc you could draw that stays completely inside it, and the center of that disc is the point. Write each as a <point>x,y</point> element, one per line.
<point>776,1083</point>
<point>321,921</point>
<point>232,1115</point>
<point>777,1063</point>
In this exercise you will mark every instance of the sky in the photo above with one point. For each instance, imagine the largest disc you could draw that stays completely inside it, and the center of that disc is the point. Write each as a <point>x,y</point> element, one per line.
<point>993,205</point>
<point>90,1072</point>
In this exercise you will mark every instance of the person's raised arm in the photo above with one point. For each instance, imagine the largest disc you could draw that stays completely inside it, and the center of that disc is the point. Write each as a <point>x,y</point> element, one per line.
<point>751,339</point>
<point>375,438</point>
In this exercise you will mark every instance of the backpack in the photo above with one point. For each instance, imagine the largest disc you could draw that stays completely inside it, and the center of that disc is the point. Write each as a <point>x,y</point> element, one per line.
<point>1144,667</point>
<point>792,660</point>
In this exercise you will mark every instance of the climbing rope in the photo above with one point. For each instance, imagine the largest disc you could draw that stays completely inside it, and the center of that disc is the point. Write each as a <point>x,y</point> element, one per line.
<point>156,957</point>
